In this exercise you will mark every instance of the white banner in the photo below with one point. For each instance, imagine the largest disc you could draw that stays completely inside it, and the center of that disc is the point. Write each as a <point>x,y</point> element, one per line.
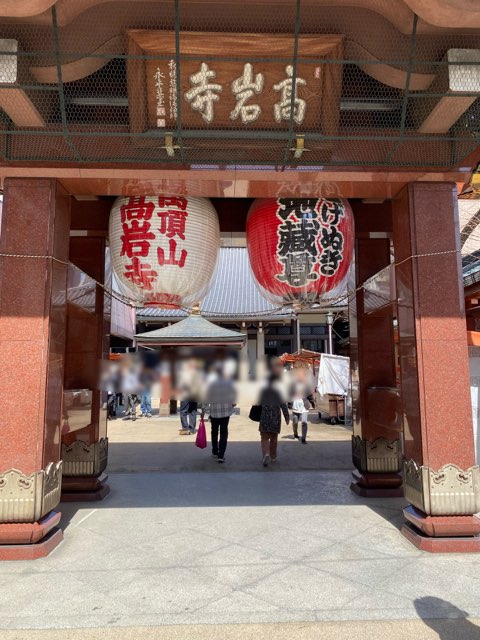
<point>334,375</point>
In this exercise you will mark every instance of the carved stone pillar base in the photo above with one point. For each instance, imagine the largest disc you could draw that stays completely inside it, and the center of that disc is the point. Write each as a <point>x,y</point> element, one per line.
<point>83,467</point>
<point>82,459</point>
<point>84,489</point>
<point>377,485</point>
<point>29,541</point>
<point>466,544</point>
<point>441,517</point>
<point>27,498</point>
<point>28,524</point>
<point>379,464</point>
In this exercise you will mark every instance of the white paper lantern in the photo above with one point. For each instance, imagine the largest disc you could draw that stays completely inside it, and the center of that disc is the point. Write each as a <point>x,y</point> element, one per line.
<point>164,249</point>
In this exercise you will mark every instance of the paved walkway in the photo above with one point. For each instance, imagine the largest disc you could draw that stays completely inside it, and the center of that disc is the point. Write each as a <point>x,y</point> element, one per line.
<point>154,444</point>
<point>265,547</point>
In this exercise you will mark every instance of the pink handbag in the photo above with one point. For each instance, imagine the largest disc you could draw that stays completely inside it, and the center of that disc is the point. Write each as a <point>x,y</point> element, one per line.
<point>201,440</point>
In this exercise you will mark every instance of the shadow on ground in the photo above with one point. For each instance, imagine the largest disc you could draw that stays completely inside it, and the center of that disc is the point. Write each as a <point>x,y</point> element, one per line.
<point>132,457</point>
<point>265,488</point>
<point>447,620</point>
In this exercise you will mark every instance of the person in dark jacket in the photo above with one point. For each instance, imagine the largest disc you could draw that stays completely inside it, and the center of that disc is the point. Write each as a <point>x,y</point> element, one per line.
<point>273,405</point>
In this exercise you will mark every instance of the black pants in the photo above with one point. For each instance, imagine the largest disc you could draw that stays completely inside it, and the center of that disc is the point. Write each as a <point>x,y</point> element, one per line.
<point>188,414</point>
<point>219,447</point>
<point>132,401</point>
<point>112,405</point>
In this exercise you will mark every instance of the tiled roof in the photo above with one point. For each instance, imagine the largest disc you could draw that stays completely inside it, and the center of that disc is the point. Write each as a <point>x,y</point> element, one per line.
<point>469,215</point>
<point>233,293</point>
<point>192,330</point>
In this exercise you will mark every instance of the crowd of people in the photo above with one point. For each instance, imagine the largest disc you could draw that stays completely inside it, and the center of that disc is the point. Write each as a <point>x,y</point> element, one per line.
<point>213,396</point>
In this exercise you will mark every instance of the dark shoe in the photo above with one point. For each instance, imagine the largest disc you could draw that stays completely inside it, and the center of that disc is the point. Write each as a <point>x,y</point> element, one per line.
<point>304,441</point>
<point>295,435</point>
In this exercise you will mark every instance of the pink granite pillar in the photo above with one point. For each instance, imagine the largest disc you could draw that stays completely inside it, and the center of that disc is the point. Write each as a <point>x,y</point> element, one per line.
<point>376,441</point>
<point>85,450</point>
<point>442,482</point>
<point>35,222</point>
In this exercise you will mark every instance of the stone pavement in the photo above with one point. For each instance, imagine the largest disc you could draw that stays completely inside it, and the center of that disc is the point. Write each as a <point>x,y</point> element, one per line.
<point>268,548</point>
<point>154,445</point>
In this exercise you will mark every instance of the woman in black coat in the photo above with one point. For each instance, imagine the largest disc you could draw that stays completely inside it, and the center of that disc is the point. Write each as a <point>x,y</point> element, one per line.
<point>273,405</point>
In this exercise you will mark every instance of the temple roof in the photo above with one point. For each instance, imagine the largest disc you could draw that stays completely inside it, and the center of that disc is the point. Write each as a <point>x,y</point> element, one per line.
<point>194,330</point>
<point>233,293</point>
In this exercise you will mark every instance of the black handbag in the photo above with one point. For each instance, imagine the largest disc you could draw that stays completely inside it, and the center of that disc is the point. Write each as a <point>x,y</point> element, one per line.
<point>255,413</point>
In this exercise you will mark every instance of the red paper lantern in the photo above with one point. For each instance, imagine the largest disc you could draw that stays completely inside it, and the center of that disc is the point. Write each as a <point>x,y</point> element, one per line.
<point>300,250</point>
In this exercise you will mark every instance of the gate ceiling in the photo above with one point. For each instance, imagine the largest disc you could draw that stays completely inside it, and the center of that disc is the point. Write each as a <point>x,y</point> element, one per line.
<point>240,83</point>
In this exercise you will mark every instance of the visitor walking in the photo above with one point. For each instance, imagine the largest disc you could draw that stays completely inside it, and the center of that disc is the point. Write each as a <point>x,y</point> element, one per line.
<point>273,405</point>
<point>147,379</point>
<point>190,391</point>
<point>300,414</point>
<point>301,397</point>
<point>221,398</point>
<point>130,386</point>
<point>146,403</point>
<point>131,411</point>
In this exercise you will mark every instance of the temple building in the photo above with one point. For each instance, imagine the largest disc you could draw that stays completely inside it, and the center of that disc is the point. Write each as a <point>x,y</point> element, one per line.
<point>234,302</point>
<point>336,135</point>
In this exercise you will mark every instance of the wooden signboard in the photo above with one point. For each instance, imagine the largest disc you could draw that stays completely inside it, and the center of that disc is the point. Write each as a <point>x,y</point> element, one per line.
<point>251,93</point>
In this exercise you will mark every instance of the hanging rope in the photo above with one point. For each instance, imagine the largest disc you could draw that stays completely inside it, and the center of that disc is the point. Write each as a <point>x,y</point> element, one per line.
<point>344,298</point>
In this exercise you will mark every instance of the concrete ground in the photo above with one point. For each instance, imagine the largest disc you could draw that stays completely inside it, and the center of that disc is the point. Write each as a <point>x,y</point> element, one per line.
<point>277,552</point>
<point>154,444</point>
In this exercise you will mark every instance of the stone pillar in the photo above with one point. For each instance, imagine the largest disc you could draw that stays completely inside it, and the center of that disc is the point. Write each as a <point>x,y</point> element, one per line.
<point>260,341</point>
<point>442,482</point>
<point>376,441</point>
<point>244,365</point>
<point>35,222</point>
<point>85,451</point>
<point>261,364</point>
<point>166,371</point>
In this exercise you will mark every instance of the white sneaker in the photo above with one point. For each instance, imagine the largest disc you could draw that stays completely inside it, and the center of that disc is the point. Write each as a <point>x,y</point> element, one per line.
<point>266,460</point>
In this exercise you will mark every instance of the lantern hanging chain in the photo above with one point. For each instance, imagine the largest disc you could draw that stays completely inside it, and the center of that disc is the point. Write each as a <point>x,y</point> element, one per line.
<point>131,302</point>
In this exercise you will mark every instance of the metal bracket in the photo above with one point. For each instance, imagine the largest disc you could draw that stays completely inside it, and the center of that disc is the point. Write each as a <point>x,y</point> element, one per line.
<point>299,147</point>
<point>169,146</point>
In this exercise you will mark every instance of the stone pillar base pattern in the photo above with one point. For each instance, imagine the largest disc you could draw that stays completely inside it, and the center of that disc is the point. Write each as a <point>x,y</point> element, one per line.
<point>379,456</point>
<point>83,467</point>
<point>379,464</point>
<point>83,459</point>
<point>27,498</point>
<point>28,524</point>
<point>441,516</point>
<point>450,491</point>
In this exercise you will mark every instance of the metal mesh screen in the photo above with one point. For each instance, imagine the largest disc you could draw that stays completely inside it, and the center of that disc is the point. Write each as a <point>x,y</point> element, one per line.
<point>393,91</point>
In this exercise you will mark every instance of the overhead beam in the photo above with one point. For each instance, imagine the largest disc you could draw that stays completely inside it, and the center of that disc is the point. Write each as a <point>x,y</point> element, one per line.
<point>452,80</point>
<point>13,100</point>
